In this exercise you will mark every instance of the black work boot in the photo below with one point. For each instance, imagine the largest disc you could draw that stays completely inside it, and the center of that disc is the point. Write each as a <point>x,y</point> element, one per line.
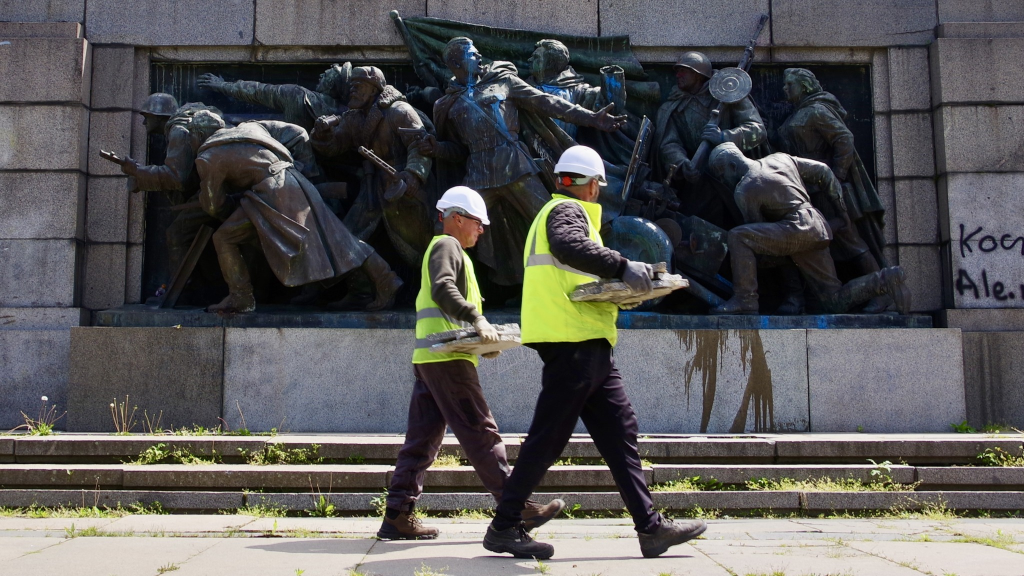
<point>516,541</point>
<point>535,515</point>
<point>398,525</point>
<point>669,534</point>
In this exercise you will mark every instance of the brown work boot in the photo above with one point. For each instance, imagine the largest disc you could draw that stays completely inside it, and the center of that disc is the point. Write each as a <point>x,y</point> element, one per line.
<point>535,515</point>
<point>737,305</point>
<point>235,303</point>
<point>385,282</point>
<point>398,525</point>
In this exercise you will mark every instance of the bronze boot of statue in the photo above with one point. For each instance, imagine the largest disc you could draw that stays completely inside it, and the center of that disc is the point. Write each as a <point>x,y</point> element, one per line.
<point>793,288</point>
<point>385,282</point>
<point>744,282</point>
<point>866,265</point>
<point>890,281</point>
<point>239,299</point>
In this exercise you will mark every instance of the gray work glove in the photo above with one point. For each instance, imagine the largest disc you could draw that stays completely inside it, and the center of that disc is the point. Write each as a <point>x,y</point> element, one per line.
<point>487,333</point>
<point>638,277</point>
<point>492,355</point>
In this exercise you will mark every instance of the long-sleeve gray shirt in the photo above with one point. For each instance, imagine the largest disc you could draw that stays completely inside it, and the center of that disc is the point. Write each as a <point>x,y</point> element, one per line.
<point>448,284</point>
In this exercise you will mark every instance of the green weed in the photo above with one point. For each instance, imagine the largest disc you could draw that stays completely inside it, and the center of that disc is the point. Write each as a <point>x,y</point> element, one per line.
<point>42,425</point>
<point>999,457</point>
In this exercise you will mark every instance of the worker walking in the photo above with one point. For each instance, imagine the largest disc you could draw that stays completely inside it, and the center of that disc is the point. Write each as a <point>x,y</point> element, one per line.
<point>575,341</point>
<point>447,391</point>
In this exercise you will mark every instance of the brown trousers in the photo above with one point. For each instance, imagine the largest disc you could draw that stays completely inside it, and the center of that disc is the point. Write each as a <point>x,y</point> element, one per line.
<point>447,394</point>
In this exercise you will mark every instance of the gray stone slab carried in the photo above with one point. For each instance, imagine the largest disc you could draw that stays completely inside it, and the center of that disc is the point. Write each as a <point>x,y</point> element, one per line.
<point>738,474</point>
<point>61,476</point>
<point>994,378</point>
<point>980,138</point>
<point>142,363</point>
<point>896,392</point>
<point>970,477</point>
<point>986,243</point>
<point>934,449</point>
<point>839,23</point>
<point>180,501</point>
<point>560,16</point>
<point>184,23</point>
<point>982,70</point>
<point>325,477</point>
<point>35,364</point>
<point>659,23</point>
<point>67,62</point>
<point>50,137</point>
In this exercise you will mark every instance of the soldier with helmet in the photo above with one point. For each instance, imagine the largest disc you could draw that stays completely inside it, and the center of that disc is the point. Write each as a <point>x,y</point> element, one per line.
<point>377,115</point>
<point>683,123</point>
<point>158,108</point>
<point>447,390</point>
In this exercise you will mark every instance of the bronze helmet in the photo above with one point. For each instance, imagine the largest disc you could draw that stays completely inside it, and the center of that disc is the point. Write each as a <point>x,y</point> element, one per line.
<point>697,62</point>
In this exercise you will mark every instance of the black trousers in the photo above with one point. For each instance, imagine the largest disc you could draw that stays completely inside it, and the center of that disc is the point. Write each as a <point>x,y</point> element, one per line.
<point>447,394</point>
<point>580,381</point>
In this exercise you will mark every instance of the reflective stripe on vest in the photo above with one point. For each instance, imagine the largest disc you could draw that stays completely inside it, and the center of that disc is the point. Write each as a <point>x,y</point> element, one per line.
<point>430,319</point>
<point>548,315</point>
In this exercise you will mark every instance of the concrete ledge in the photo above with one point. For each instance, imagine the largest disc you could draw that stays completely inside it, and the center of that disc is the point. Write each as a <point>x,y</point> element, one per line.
<point>6,450</point>
<point>29,29</point>
<point>961,449</point>
<point>984,29</point>
<point>241,476</point>
<point>961,478</point>
<point>732,474</point>
<point>704,449</point>
<point>728,501</point>
<point>556,477</point>
<point>178,501</point>
<point>348,502</point>
<point>63,449</point>
<point>832,501</point>
<point>42,475</point>
<point>41,318</point>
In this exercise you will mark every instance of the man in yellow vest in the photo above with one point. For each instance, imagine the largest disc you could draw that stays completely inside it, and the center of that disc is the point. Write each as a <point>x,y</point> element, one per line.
<point>447,391</point>
<point>575,341</point>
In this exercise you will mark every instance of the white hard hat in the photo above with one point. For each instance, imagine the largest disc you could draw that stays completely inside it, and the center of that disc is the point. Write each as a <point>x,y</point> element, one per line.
<point>583,161</point>
<point>467,199</point>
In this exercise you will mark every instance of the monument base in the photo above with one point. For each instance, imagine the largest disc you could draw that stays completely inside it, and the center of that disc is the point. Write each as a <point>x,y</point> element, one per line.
<point>756,377</point>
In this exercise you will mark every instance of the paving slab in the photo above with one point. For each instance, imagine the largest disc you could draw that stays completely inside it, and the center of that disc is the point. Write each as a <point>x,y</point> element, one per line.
<point>11,548</point>
<point>796,557</point>
<point>957,558</point>
<point>180,501</point>
<point>309,557</point>
<point>190,524</point>
<point>113,556</point>
<point>12,525</point>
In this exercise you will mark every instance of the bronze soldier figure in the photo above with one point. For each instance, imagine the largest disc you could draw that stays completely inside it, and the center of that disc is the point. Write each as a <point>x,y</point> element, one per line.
<point>299,105</point>
<point>551,73</point>
<point>817,130</point>
<point>280,209</point>
<point>772,194</point>
<point>683,122</point>
<point>381,120</point>
<point>478,121</point>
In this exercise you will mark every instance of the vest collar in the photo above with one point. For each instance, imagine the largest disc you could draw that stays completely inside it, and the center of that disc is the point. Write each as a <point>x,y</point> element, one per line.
<point>593,209</point>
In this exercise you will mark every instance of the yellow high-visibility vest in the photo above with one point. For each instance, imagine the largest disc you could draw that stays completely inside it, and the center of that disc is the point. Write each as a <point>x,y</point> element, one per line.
<point>548,315</point>
<point>430,319</point>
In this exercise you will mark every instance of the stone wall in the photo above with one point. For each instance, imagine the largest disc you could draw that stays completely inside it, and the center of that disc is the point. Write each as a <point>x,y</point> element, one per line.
<point>946,84</point>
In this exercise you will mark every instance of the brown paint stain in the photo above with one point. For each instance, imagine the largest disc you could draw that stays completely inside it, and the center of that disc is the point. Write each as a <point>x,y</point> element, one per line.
<point>709,347</point>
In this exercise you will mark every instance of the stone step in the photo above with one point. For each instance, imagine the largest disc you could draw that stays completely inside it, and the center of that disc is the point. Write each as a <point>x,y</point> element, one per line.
<point>354,477</point>
<point>680,503</point>
<point>914,449</point>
